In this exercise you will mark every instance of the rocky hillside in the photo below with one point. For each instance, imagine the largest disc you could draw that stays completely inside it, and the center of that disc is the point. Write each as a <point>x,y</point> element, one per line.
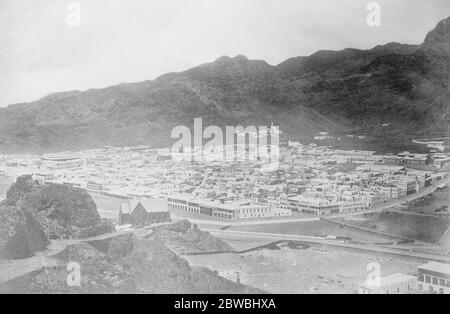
<point>123,264</point>
<point>183,238</point>
<point>32,214</point>
<point>21,234</point>
<point>404,86</point>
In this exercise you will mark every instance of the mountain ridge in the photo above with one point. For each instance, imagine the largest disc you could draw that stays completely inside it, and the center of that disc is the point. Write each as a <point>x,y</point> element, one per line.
<point>350,90</point>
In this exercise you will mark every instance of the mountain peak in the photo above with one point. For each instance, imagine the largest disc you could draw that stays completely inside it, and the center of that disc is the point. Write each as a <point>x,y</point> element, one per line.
<point>227,59</point>
<point>240,58</point>
<point>239,64</point>
<point>329,90</point>
<point>440,34</point>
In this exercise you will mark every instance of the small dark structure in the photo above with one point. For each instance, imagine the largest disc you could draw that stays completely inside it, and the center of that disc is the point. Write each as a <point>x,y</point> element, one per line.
<point>144,212</point>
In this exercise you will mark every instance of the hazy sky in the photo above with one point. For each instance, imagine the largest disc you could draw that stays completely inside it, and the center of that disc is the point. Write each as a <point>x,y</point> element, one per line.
<point>135,40</point>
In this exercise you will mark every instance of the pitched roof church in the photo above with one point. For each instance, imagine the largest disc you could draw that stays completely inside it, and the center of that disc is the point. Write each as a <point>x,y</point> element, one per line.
<point>144,212</point>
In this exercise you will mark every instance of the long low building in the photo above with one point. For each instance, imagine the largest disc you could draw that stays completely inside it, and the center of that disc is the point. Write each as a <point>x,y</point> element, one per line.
<point>225,210</point>
<point>62,162</point>
<point>313,205</point>
<point>405,158</point>
<point>432,278</point>
<point>392,284</point>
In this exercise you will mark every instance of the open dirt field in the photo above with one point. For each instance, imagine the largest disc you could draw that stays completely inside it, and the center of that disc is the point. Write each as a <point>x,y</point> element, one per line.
<point>314,228</point>
<point>313,270</point>
<point>422,228</point>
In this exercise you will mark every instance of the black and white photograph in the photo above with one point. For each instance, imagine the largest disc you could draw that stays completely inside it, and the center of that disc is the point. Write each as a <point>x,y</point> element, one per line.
<point>224,152</point>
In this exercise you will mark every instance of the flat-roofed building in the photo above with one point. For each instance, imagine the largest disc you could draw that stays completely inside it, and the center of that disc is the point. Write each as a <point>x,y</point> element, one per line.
<point>405,158</point>
<point>390,190</point>
<point>62,162</point>
<point>43,177</point>
<point>225,209</point>
<point>94,188</point>
<point>434,277</point>
<point>352,204</point>
<point>313,205</point>
<point>240,211</point>
<point>392,284</point>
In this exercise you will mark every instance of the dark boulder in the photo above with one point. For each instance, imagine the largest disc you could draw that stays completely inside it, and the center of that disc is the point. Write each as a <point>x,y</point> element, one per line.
<point>98,275</point>
<point>21,234</point>
<point>103,227</point>
<point>124,263</point>
<point>115,247</point>
<point>63,211</point>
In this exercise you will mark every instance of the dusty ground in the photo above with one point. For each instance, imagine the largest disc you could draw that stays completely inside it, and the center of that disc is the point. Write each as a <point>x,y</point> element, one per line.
<point>416,220</point>
<point>422,228</point>
<point>313,270</point>
<point>430,203</point>
<point>315,228</point>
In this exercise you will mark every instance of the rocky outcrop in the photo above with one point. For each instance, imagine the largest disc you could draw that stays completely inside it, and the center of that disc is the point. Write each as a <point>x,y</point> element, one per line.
<point>440,35</point>
<point>186,239</point>
<point>103,227</point>
<point>21,234</point>
<point>96,275</point>
<point>116,264</point>
<point>123,264</point>
<point>117,247</point>
<point>157,269</point>
<point>63,211</point>
<point>66,206</point>
<point>32,214</point>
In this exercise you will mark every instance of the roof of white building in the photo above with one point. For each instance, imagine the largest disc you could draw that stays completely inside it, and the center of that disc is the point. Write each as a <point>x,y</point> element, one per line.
<point>388,281</point>
<point>436,267</point>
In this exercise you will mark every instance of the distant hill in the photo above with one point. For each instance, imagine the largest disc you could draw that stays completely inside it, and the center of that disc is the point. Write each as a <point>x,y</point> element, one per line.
<point>405,86</point>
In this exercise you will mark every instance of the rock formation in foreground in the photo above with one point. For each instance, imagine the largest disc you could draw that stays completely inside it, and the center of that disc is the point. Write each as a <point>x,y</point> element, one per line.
<point>183,238</point>
<point>124,264</point>
<point>21,234</point>
<point>32,214</point>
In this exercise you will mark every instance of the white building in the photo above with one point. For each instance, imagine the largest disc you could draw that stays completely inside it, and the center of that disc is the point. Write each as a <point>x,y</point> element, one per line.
<point>392,284</point>
<point>352,204</point>
<point>313,205</point>
<point>225,210</point>
<point>60,162</point>
<point>43,177</point>
<point>434,278</point>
